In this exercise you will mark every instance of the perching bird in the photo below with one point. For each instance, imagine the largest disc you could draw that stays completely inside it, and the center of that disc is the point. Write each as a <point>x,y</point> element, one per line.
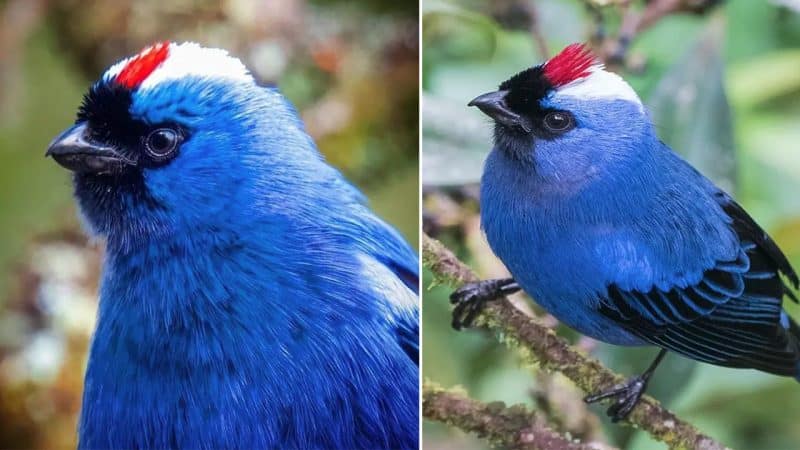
<point>617,236</point>
<point>249,298</point>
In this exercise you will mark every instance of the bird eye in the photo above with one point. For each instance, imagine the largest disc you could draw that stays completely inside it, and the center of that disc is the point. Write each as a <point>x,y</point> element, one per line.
<point>161,143</point>
<point>559,121</point>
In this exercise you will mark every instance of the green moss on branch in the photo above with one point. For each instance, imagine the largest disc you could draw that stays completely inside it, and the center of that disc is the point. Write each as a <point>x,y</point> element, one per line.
<point>512,427</point>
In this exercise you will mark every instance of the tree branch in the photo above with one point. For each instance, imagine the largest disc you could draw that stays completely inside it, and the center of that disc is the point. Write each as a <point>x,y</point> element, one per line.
<point>561,402</point>
<point>614,50</point>
<point>539,344</point>
<point>506,427</point>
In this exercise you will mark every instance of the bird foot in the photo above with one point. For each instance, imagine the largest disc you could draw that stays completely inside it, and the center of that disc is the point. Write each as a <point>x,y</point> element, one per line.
<point>471,298</point>
<point>626,396</point>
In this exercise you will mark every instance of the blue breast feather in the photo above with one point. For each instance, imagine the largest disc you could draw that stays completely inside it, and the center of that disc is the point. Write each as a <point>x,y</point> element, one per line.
<point>234,348</point>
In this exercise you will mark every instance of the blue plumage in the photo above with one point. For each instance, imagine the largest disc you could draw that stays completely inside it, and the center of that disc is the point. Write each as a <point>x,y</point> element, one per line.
<point>249,298</point>
<point>617,236</point>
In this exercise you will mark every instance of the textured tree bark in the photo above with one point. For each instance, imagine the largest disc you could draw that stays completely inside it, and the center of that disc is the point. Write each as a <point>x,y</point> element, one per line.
<point>506,427</point>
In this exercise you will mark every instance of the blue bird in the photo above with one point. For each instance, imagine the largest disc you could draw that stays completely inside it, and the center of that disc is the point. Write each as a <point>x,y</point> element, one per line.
<point>617,236</point>
<point>249,298</point>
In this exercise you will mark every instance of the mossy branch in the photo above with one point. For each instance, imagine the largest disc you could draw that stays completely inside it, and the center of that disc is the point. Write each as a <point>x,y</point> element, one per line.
<point>539,344</point>
<point>505,427</point>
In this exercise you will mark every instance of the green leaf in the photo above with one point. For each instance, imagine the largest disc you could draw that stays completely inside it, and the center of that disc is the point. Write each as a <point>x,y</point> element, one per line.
<point>452,32</point>
<point>690,108</point>
<point>768,77</point>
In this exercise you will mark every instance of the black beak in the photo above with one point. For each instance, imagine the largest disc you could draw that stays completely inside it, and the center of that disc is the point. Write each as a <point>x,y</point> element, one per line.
<point>75,151</point>
<point>494,105</point>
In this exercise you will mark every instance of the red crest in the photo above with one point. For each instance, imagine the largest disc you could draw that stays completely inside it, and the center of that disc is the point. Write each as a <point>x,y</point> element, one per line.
<point>142,65</point>
<point>572,63</point>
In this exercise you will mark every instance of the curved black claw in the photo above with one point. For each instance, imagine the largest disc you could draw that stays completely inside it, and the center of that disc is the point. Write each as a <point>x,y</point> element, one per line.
<point>627,395</point>
<point>470,299</point>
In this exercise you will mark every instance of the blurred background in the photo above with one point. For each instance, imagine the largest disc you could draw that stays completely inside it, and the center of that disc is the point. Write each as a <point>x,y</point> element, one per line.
<point>722,82</point>
<point>351,67</point>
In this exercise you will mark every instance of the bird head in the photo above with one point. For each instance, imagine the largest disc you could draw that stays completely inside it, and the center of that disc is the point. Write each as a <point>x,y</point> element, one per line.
<point>176,137</point>
<point>567,116</point>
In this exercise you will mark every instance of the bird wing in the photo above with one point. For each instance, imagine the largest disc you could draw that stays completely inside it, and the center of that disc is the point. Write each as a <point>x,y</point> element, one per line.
<point>406,317</point>
<point>406,269</point>
<point>407,329</point>
<point>731,317</point>
<point>393,268</point>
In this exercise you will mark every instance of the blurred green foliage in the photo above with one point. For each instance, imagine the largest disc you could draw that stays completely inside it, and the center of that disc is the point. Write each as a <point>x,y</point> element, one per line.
<point>351,68</point>
<point>723,89</point>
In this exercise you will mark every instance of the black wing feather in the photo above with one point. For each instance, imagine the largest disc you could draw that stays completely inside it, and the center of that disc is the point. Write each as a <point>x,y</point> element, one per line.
<point>733,317</point>
<point>407,327</point>
<point>408,337</point>
<point>748,230</point>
